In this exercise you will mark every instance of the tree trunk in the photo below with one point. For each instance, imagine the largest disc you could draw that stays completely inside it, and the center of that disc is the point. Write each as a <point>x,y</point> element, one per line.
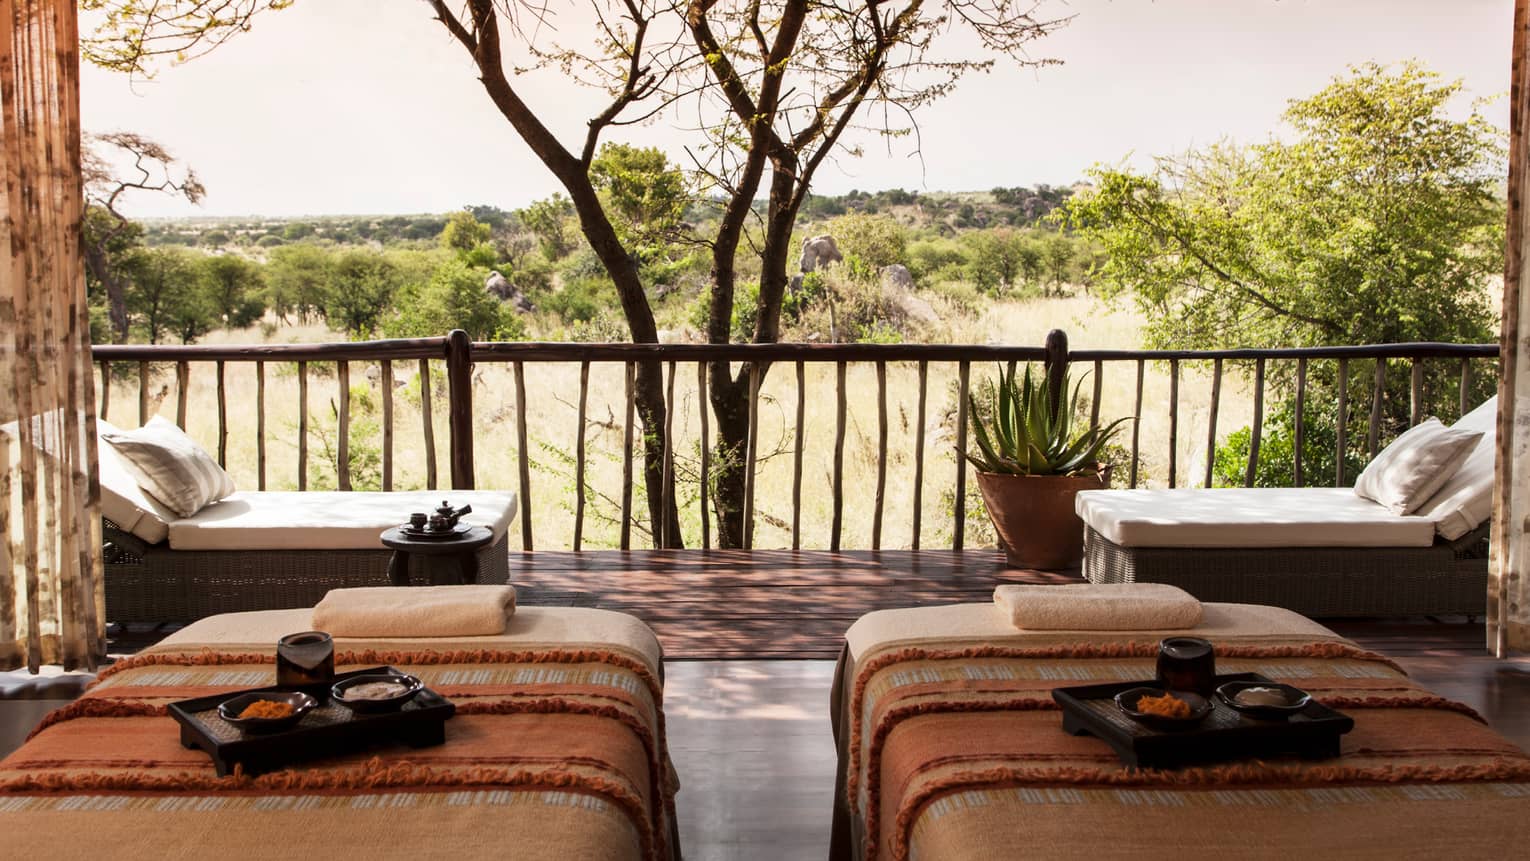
<point>116,301</point>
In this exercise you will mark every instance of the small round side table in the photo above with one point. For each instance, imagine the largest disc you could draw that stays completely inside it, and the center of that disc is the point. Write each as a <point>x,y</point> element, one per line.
<point>448,561</point>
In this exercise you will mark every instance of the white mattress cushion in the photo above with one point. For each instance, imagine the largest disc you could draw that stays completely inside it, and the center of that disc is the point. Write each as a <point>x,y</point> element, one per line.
<point>1249,517</point>
<point>335,520</point>
<point>1465,501</point>
<point>123,502</point>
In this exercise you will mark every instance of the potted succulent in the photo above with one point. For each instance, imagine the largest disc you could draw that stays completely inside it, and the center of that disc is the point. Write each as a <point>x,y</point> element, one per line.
<point>1031,462</point>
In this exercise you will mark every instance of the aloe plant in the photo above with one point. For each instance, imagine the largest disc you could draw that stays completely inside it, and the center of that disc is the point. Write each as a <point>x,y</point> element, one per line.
<point>1024,435</point>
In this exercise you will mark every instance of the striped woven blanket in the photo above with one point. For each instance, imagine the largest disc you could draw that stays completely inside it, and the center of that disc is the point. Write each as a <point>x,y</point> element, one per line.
<point>556,751</point>
<point>952,748</point>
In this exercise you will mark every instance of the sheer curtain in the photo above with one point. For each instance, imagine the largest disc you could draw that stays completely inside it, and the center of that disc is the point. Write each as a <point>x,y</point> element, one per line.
<point>50,565</point>
<point>1508,617</point>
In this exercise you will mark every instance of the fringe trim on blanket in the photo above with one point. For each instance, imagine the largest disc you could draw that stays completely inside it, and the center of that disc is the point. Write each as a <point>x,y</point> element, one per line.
<point>210,657</point>
<point>375,774</point>
<point>1239,774</point>
<point>1131,649</point>
<point>92,708</point>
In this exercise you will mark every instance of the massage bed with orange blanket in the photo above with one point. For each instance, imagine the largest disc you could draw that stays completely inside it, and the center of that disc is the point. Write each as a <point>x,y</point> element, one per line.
<point>951,748</point>
<point>557,751</point>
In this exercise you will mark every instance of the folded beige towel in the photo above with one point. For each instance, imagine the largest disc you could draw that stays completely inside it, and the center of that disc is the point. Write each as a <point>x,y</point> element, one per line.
<point>415,611</point>
<point>1090,607</point>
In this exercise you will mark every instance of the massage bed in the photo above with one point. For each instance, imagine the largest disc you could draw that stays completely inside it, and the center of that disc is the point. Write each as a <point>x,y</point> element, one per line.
<point>951,748</point>
<point>557,751</point>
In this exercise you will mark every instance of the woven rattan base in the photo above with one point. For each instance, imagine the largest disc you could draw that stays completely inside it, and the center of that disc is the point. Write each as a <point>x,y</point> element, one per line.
<point>152,583</point>
<point>1448,578</point>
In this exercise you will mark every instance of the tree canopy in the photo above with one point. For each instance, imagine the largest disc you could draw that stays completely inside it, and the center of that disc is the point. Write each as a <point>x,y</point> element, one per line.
<point>1376,219</point>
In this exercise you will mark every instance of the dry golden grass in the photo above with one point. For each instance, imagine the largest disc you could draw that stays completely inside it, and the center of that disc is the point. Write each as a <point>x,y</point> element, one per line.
<point>552,392</point>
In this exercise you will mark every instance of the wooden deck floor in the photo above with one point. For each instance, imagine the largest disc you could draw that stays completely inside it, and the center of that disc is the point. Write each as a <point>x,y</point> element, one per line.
<point>764,604</point>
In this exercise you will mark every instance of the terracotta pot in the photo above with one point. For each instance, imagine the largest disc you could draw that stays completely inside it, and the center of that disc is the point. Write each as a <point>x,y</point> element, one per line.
<point>1034,517</point>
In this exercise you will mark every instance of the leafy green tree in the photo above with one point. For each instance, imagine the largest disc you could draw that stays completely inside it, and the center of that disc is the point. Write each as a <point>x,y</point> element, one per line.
<point>297,230</point>
<point>994,257</point>
<point>644,190</point>
<point>453,298</point>
<point>164,296</point>
<point>463,232</point>
<point>1058,258</point>
<point>1375,220</point>
<point>233,287</point>
<point>361,287</point>
<point>549,220</point>
<point>297,278</point>
<point>869,242</point>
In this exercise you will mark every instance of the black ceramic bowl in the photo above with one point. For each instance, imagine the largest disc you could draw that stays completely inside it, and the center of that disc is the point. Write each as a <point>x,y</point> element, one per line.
<point>1199,708</point>
<point>230,709</point>
<point>1296,699</point>
<point>411,686</point>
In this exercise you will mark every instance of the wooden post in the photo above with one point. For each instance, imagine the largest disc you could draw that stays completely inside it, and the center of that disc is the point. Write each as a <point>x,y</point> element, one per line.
<point>260,425</point>
<point>386,383</point>
<point>706,449</point>
<point>459,387</point>
<point>1057,368</point>
<point>797,438</point>
<point>837,520</point>
<point>302,371</point>
<point>342,426</point>
<point>222,418</point>
<point>924,374</point>
<point>182,384</point>
<point>579,443</point>
<point>1256,426</point>
<point>523,455</point>
<point>959,527</point>
<point>143,395</point>
<point>427,424</point>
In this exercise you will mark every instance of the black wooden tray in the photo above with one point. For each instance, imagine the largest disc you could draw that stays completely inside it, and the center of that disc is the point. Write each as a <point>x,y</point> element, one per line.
<point>1312,733</point>
<point>328,729</point>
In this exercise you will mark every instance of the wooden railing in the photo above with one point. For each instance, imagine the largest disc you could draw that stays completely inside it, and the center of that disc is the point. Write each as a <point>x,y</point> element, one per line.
<point>459,356</point>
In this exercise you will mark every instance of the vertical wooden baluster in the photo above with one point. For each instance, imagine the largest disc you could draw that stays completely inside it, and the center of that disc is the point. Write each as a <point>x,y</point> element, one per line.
<point>343,427</point>
<point>1341,429</point>
<point>1299,441</point>
<point>797,457</point>
<point>1211,421</point>
<point>143,393</point>
<point>459,400</point>
<point>626,532</point>
<point>1466,386</point>
<point>302,368</point>
<point>1416,394</point>
<point>1137,421</point>
<point>924,371</point>
<point>959,528</point>
<point>1094,400</point>
<point>706,454</point>
<point>222,419</point>
<point>1256,426</point>
<point>667,498</point>
<point>428,424</point>
<point>182,392</point>
<point>1173,422</point>
<point>584,396</point>
<point>876,516</point>
<point>750,451</point>
<point>1374,440</point>
<point>106,389</point>
<point>260,425</point>
<point>839,456</point>
<point>523,456</point>
<point>386,382</point>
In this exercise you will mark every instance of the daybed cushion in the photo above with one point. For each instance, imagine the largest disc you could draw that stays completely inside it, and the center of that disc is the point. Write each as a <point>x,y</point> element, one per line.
<point>1465,502</point>
<point>1249,517</point>
<point>170,466</point>
<point>123,502</point>
<point>334,520</point>
<point>1415,465</point>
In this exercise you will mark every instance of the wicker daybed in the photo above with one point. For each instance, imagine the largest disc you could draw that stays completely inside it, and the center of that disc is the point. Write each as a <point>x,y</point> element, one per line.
<point>263,550</point>
<point>1318,551</point>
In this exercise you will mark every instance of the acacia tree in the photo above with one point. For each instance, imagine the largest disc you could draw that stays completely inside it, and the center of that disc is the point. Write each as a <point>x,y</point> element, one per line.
<point>114,165</point>
<point>776,85</point>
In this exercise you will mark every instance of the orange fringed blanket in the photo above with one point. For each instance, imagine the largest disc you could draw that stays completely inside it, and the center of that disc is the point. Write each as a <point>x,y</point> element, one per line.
<point>553,754</point>
<point>955,751</point>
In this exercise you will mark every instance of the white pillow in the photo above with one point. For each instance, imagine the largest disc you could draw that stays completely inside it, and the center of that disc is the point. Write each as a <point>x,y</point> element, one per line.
<point>123,502</point>
<point>171,467</point>
<point>1409,471</point>
<point>1465,502</point>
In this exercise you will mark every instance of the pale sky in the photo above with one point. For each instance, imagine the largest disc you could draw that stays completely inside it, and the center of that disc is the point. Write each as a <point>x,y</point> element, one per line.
<point>367,106</point>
